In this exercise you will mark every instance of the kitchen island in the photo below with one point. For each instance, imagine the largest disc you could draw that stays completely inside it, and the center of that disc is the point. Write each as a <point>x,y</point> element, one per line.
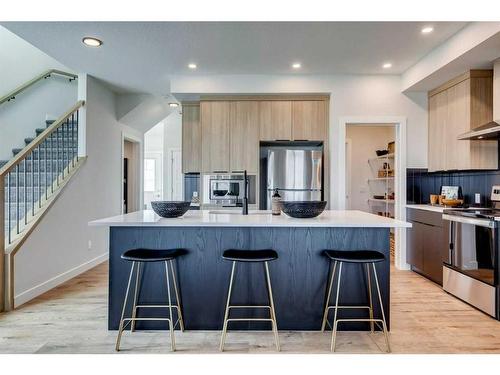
<point>299,277</point>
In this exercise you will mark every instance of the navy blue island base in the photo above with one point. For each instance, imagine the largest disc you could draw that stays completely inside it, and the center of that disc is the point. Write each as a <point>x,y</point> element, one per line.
<point>299,277</point>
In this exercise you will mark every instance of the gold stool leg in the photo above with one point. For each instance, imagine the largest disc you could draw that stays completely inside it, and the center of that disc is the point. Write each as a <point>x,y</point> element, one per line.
<point>120,329</point>
<point>177,299</point>
<point>386,333</point>
<point>136,291</point>
<point>273,313</point>
<point>330,285</point>
<point>334,331</point>
<point>370,296</point>
<point>226,315</point>
<point>171,322</point>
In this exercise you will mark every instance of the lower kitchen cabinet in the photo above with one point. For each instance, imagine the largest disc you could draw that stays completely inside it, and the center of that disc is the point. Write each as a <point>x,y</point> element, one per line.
<point>427,244</point>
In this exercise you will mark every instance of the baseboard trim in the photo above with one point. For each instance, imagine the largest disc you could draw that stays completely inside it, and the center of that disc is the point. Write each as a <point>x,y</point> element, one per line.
<point>39,289</point>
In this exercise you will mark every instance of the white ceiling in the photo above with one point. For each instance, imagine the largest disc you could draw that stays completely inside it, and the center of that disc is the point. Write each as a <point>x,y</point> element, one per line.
<point>141,56</point>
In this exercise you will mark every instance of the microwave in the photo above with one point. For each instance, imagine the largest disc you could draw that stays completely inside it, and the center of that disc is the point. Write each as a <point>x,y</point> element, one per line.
<point>227,189</point>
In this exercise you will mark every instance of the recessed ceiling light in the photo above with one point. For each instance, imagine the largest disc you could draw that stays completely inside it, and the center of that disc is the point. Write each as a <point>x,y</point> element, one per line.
<point>91,42</point>
<point>427,30</point>
<point>296,65</point>
<point>387,65</point>
<point>192,66</point>
<point>173,105</point>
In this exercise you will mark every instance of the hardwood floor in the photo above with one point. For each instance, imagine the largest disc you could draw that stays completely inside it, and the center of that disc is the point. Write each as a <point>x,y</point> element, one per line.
<point>72,319</point>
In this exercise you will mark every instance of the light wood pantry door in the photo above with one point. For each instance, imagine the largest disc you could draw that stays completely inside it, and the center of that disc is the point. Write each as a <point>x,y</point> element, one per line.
<point>191,138</point>
<point>244,136</point>
<point>438,114</point>
<point>458,155</point>
<point>215,121</point>
<point>309,120</point>
<point>275,120</point>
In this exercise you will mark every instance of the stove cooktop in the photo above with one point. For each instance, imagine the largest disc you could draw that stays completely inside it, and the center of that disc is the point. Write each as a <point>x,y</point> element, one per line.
<point>481,213</point>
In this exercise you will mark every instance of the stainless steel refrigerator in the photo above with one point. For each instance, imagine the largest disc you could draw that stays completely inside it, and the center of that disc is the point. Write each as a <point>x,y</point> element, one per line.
<point>297,174</point>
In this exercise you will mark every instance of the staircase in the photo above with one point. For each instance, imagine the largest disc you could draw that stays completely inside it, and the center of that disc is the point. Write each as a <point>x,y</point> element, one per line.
<point>32,180</point>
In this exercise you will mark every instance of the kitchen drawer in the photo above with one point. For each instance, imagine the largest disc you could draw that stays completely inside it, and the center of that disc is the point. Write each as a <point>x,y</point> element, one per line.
<point>425,217</point>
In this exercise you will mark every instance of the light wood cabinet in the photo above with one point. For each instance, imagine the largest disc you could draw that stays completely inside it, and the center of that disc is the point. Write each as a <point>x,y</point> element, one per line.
<point>215,124</point>
<point>223,134</point>
<point>244,136</point>
<point>309,120</point>
<point>438,113</point>
<point>458,153</point>
<point>457,107</point>
<point>275,120</point>
<point>191,138</point>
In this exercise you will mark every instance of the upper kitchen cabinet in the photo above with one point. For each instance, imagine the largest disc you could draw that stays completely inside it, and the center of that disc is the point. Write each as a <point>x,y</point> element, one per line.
<point>215,126</point>
<point>456,107</point>
<point>309,120</point>
<point>244,136</point>
<point>191,138</point>
<point>275,120</point>
<point>438,113</point>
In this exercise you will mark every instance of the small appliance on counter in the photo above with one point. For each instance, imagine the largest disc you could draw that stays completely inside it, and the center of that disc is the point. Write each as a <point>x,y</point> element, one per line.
<point>471,270</point>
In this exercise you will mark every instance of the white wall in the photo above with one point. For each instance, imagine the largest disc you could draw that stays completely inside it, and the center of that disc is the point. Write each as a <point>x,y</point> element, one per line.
<point>351,96</point>
<point>173,140</point>
<point>364,141</point>
<point>19,63</point>
<point>58,248</point>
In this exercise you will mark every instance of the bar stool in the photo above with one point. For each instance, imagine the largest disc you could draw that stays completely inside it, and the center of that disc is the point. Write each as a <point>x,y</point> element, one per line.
<point>139,257</point>
<point>244,256</point>
<point>362,257</point>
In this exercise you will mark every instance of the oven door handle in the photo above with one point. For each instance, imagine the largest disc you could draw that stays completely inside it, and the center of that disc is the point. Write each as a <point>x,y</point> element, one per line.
<point>469,220</point>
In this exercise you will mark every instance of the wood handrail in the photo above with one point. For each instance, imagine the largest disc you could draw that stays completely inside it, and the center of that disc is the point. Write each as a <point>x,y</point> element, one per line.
<point>39,139</point>
<point>30,83</point>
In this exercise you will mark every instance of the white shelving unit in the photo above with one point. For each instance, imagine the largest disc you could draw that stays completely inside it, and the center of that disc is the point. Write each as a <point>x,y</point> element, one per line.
<point>381,185</point>
<point>383,157</point>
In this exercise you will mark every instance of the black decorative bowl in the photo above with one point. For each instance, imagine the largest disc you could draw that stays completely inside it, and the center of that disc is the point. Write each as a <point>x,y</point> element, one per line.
<point>170,208</point>
<point>303,209</point>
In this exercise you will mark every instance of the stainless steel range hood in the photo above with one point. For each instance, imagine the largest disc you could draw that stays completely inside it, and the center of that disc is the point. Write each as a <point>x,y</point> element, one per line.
<point>485,132</point>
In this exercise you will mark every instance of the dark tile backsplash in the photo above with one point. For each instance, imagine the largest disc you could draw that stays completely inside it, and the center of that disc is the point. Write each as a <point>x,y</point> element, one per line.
<point>191,183</point>
<point>420,184</point>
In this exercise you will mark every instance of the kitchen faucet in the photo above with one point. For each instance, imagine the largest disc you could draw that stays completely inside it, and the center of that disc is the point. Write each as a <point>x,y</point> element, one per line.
<point>244,206</point>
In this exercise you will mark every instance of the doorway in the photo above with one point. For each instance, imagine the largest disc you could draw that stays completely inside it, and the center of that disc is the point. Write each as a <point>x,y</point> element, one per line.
<point>370,177</point>
<point>398,166</point>
<point>131,161</point>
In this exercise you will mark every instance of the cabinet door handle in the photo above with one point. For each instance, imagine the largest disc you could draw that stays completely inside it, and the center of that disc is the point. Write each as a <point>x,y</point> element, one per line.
<point>220,171</point>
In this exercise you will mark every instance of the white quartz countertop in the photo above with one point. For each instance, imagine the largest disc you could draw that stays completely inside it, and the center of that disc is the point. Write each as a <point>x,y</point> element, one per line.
<point>219,218</point>
<point>427,207</point>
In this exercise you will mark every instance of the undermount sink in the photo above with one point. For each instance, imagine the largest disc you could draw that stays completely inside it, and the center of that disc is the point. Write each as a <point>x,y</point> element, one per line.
<point>233,212</point>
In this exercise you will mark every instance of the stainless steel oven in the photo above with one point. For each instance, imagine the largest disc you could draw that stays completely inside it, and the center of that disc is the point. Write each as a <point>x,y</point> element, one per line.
<point>471,270</point>
<point>227,189</point>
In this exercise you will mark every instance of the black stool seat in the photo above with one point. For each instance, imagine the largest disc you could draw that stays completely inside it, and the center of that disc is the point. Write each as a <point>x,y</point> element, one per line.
<point>355,256</point>
<point>151,255</point>
<point>266,255</point>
